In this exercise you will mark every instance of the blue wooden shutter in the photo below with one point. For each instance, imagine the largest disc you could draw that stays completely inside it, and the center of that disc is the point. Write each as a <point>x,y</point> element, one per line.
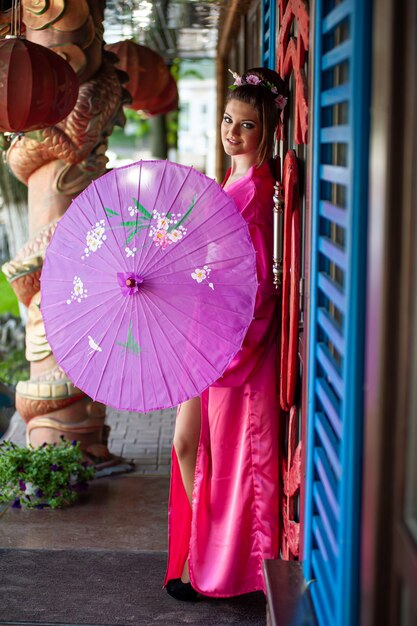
<point>337,307</point>
<point>268,33</point>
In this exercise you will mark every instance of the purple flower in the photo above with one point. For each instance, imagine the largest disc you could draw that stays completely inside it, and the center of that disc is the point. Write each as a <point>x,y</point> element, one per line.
<point>74,442</point>
<point>42,505</point>
<point>39,493</point>
<point>252,79</point>
<point>238,79</point>
<point>21,470</point>
<point>280,101</point>
<point>22,485</point>
<point>54,468</point>
<point>16,504</point>
<point>44,444</point>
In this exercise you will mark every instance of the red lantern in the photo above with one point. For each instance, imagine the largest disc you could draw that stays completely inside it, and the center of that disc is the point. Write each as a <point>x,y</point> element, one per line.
<point>148,74</point>
<point>38,88</point>
<point>166,102</point>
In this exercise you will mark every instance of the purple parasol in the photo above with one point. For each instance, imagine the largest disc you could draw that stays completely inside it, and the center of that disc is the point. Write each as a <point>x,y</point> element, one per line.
<point>148,286</point>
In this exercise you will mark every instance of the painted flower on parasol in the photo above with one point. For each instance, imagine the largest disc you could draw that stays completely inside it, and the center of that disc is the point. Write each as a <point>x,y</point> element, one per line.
<point>148,286</point>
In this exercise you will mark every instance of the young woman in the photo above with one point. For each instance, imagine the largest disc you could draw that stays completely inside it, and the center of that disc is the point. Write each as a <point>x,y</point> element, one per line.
<point>223,508</point>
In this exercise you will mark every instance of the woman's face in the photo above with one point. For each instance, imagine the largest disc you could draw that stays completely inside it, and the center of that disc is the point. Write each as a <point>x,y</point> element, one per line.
<point>241,130</point>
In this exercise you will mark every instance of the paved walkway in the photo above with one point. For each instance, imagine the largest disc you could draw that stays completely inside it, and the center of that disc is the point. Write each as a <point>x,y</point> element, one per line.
<point>145,438</point>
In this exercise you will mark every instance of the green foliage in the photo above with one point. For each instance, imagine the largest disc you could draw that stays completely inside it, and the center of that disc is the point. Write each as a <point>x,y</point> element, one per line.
<point>119,140</point>
<point>8,300</point>
<point>191,74</point>
<point>14,367</point>
<point>11,189</point>
<point>172,118</point>
<point>138,122</point>
<point>172,129</point>
<point>181,69</point>
<point>131,136</point>
<point>50,476</point>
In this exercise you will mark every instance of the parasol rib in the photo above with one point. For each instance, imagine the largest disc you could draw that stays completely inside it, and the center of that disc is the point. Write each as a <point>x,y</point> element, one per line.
<point>150,258</point>
<point>188,316</point>
<point>154,204</point>
<point>117,244</point>
<point>195,348</point>
<point>109,353</point>
<point>172,249</point>
<point>176,357</point>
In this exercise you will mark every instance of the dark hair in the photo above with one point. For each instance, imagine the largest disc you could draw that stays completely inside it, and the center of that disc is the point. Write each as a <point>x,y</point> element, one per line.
<point>263,101</point>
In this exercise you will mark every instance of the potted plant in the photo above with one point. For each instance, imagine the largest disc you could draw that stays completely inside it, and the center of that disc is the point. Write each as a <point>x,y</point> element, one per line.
<point>52,475</point>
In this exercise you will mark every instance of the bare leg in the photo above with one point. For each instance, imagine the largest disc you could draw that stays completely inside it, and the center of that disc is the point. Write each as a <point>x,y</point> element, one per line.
<point>186,437</point>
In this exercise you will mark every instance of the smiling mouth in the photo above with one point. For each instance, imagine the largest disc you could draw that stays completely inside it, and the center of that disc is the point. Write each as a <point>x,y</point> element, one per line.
<point>234,143</point>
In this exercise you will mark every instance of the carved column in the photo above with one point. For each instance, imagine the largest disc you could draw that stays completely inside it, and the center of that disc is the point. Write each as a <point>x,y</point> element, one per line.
<point>56,164</point>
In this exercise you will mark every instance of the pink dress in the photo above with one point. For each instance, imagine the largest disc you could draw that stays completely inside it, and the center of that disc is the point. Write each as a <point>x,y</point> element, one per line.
<point>234,521</point>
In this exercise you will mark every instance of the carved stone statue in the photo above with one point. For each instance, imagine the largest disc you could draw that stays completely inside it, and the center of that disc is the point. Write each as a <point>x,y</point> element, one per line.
<point>56,164</point>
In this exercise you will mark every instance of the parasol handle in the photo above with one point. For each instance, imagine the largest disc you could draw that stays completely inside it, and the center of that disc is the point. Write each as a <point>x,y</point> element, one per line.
<point>278,212</point>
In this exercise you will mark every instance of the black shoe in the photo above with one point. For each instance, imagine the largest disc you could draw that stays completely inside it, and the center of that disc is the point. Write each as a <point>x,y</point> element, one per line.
<point>181,591</point>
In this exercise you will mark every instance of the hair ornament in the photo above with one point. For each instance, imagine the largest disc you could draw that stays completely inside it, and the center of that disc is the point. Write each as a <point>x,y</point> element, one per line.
<point>251,79</point>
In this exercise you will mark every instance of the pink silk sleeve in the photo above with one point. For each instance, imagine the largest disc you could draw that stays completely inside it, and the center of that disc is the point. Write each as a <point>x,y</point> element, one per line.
<point>257,210</point>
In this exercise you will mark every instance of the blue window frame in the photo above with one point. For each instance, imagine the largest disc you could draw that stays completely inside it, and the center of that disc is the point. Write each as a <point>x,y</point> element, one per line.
<point>340,136</point>
<point>268,33</point>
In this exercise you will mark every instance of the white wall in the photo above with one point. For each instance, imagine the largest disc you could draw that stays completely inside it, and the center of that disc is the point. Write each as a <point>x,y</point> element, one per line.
<point>197,124</point>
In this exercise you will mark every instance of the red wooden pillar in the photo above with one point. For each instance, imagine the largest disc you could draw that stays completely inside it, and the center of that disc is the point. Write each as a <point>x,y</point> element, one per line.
<point>292,50</point>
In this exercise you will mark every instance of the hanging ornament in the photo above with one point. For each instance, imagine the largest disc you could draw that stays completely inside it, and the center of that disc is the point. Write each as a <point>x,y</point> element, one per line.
<point>166,102</point>
<point>148,74</point>
<point>38,88</point>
